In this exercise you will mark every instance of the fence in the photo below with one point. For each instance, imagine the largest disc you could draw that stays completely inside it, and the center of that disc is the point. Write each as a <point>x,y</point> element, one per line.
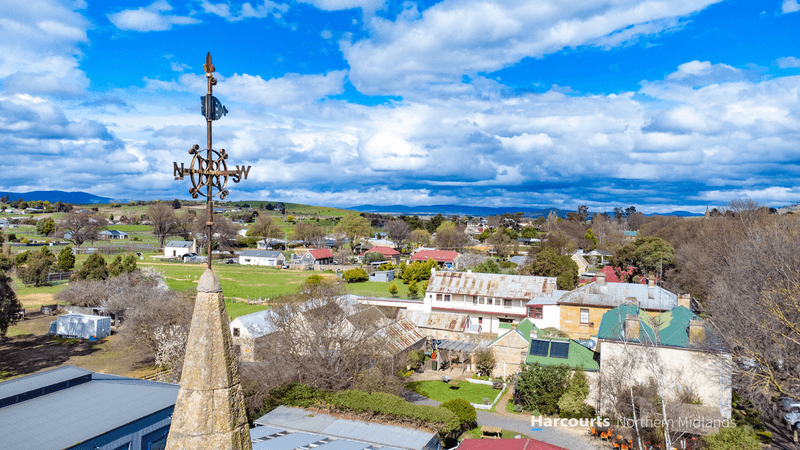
<point>59,276</point>
<point>113,249</point>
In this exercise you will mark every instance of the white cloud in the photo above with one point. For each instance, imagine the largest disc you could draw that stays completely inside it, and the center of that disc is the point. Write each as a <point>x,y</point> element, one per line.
<point>453,38</point>
<point>149,18</point>
<point>246,11</point>
<point>338,5</point>
<point>790,6</point>
<point>787,62</point>
<point>288,91</point>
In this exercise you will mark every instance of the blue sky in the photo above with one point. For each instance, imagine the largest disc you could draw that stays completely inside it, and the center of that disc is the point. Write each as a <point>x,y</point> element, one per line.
<point>665,105</point>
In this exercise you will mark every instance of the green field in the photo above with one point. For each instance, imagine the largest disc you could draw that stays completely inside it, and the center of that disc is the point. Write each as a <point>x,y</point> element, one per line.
<point>380,289</point>
<point>442,392</point>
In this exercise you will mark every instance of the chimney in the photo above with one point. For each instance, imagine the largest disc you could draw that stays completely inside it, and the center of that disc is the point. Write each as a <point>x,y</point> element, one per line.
<point>697,332</point>
<point>601,278</point>
<point>685,300</point>
<point>632,327</point>
<point>651,281</point>
<point>433,271</point>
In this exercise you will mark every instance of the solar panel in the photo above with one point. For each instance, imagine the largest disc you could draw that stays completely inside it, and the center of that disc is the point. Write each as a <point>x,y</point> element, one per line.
<point>559,350</point>
<point>539,348</point>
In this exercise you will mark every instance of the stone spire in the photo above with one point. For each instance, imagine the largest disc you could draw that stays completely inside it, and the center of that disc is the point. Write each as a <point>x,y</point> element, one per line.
<point>210,412</point>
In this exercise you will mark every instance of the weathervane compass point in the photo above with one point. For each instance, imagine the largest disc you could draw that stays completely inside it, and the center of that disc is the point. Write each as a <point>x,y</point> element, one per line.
<point>209,171</point>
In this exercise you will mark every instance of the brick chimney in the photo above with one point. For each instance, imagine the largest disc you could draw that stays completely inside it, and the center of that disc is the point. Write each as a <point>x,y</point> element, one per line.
<point>685,300</point>
<point>632,327</point>
<point>651,281</point>
<point>601,278</point>
<point>697,332</point>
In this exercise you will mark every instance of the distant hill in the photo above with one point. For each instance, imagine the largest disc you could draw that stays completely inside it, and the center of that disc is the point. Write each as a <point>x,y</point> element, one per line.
<point>447,210</point>
<point>462,210</point>
<point>76,198</point>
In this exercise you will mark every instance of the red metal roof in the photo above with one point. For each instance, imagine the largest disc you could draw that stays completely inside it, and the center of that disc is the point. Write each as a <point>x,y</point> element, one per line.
<point>321,253</point>
<point>507,444</point>
<point>385,251</point>
<point>611,275</point>
<point>436,255</point>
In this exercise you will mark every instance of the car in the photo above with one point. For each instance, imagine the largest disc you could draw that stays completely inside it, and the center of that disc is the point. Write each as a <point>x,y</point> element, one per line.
<point>285,266</point>
<point>189,255</point>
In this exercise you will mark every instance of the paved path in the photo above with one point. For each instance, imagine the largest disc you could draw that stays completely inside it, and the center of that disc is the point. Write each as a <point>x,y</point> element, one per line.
<point>519,424</point>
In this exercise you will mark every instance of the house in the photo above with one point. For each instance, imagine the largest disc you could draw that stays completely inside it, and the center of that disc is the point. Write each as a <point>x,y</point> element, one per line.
<point>544,310</point>
<point>270,243</point>
<point>675,345</point>
<point>3,223</point>
<point>583,308</point>
<point>445,258</point>
<point>583,265</point>
<point>437,325</point>
<point>495,301</point>
<point>176,249</point>
<point>262,258</point>
<point>113,234</point>
<point>524,344</point>
<point>74,408</point>
<point>316,256</point>
<point>286,428</point>
<point>506,444</point>
<point>389,253</point>
<point>250,331</point>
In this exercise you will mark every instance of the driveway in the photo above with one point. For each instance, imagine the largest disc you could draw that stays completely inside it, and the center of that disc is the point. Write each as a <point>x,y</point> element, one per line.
<point>575,439</point>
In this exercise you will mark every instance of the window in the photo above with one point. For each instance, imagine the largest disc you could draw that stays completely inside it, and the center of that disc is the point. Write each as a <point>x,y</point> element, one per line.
<point>482,300</point>
<point>480,319</point>
<point>536,312</point>
<point>474,299</point>
<point>235,331</point>
<point>584,315</point>
<point>507,302</point>
<point>447,297</point>
<point>438,297</point>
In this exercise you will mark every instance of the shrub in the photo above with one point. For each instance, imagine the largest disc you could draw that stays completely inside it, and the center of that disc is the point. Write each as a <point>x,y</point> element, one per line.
<point>540,387</point>
<point>573,403</point>
<point>93,269</point>
<point>372,257</point>
<point>355,275</point>
<point>484,360</point>
<point>465,412</point>
<point>314,279</point>
<point>38,267</point>
<point>393,289</point>
<point>442,420</point>
<point>415,358</point>
<point>22,257</point>
<point>732,438</point>
<point>413,290</point>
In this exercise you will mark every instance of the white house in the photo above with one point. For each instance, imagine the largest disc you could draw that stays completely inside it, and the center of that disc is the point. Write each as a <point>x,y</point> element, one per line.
<point>544,311</point>
<point>494,301</point>
<point>262,258</point>
<point>176,249</point>
<point>113,234</point>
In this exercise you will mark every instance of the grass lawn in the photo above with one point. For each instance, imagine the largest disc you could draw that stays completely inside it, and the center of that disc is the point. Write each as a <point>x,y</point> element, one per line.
<point>241,308</point>
<point>441,391</point>
<point>380,289</point>
<point>22,289</point>
<point>475,433</point>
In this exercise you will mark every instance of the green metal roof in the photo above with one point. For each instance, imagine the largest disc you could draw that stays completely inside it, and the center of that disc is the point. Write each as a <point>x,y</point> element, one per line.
<point>578,356</point>
<point>672,326</point>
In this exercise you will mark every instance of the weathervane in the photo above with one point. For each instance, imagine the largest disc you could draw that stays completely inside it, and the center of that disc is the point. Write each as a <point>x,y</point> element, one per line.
<point>210,171</point>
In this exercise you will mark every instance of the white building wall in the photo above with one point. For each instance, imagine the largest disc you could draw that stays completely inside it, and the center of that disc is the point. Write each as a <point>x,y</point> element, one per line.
<point>551,316</point>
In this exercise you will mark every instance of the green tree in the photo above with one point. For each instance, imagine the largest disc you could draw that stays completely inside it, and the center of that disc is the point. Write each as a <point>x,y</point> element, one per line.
<point>355,275</point>
<point>590,236</point>
<point>488,266</point>
<point>10,307</point>
<point>115,268</point>
<point>413,289</point>
<point>647,255</point>
<point>66,260</point>
<point>37,267</point>
<point>22,257</point>
<point>421,236</point>
<point>46,226</point>
<point>539,388</point>
<point>417,271</point>
<point>467,416</point>
<point>314,280</point>
<point>93,269</point>
<point>371,257</point>
<point>549,264</point>
<point>434,223</point>
<point>129,263</point>
<point>529,233</point>
<point>393,289</point>
<point>354,227</point>
<point>573,402</point>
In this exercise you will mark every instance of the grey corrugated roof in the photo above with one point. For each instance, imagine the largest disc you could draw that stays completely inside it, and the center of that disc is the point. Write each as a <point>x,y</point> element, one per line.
<point>299,419</point>
<point>179,244</point>
<point>257,324</point>
<point>62,418</point>
<point>491,285</point>
<point>457,346</point>
<point>435,320</point>
<point>261,253</point>
<point>518,260</point>
<point>615,294</point>
<point>548,300</point>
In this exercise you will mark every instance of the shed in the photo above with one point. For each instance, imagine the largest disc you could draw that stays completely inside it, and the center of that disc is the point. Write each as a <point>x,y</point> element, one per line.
<point>383,276</point>
<point>82,326</point>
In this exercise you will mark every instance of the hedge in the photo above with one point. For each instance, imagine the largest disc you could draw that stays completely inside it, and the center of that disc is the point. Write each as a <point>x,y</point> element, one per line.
<point>442,420</point>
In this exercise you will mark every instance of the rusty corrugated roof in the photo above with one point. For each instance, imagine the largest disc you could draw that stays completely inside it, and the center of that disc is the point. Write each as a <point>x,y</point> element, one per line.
<point>491,285</point>
<point>435,320</point>
<point>401,334</point>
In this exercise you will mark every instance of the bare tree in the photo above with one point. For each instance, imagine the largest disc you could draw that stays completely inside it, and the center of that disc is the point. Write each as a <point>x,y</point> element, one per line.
<point>503,244</point>
<point>265,228</point>
<point>184,224</point>
<point>80,227</point>
<point>162,215</point>
<point>398,231</point>
<point>450,236</point>
<point>223,232</point>
<point>309,233</point>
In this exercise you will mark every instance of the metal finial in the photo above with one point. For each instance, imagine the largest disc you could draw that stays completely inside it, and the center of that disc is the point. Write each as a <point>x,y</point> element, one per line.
<point>208,66</point>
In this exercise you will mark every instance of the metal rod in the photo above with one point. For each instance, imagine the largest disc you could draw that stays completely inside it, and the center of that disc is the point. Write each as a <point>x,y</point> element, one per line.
<point>209,158</point>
